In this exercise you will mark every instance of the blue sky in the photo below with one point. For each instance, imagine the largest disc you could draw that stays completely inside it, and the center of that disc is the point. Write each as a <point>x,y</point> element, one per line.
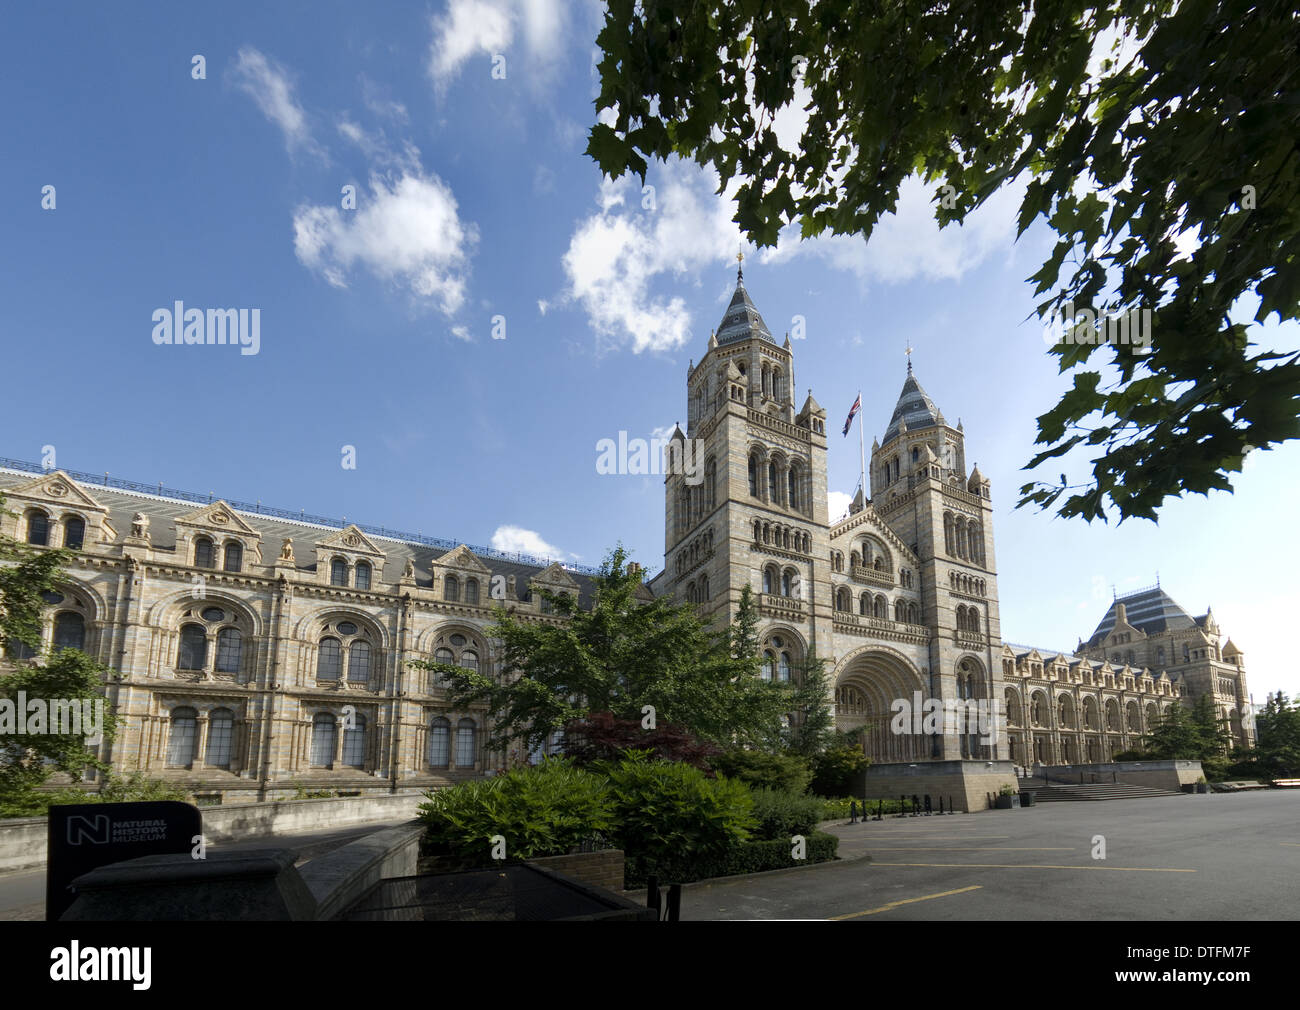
<point>474,201</point>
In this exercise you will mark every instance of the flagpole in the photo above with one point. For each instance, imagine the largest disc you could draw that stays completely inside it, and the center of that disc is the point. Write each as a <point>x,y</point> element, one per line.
<point>862,450</point>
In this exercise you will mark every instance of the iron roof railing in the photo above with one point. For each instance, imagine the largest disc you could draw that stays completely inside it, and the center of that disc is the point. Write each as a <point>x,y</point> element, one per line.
<point>258,508</point>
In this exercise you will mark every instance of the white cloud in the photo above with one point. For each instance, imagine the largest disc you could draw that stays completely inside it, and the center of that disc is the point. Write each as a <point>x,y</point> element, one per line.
<point>516,539</point>
<point>616,253</point>
<point>837,505</point>
<point>407,232</point>
<point>375,145</point>
<point>380,104</point>
<point>271,88</point>
<point>461,332</point>
<point>472,28</point>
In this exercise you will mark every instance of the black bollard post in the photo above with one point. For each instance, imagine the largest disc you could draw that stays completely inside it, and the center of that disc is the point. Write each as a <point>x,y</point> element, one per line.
<point>928,809</point>
<point>916,803</point>
<point>880,810</point>
<point>950,809</point>
<point>902,800</point>
<point>674,903</point>
<point>652,894</point>
<point>853,812</point>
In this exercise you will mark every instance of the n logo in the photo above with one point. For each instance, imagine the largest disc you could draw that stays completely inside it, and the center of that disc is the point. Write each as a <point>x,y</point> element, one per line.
<point>92,829</point>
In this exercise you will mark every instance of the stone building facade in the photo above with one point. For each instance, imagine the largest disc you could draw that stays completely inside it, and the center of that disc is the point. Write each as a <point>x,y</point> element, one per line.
<point>259,655</point>
<point>900,596</point>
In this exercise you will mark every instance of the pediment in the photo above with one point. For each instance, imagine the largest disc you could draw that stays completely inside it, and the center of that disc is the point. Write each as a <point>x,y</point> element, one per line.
<point>462,558</point>
<point>56,486</point>
<point>217,516</point>
<point>877,527</point>
<point>350,538</point>
<point>555,575</point>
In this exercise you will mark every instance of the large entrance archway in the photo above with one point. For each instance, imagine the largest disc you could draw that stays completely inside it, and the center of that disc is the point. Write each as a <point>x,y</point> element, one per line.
<point>867,684</point>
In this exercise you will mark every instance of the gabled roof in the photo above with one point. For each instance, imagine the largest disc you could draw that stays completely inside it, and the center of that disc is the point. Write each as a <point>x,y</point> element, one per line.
<point>914,410</point>
<point>1151,611</point>
<point>741,320</point>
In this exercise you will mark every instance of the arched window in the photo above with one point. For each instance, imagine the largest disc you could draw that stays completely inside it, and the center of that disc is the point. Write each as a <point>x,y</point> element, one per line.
<point>439,743</point>
<point>205,554</point>
<point>442,656</point>
<point>234,558</point>
<point>451,589</point>
<point>194,648</point>
<point>323,736</point>
<point>329,660</point>
<point>545,605</point>
<point>69,631</point>
<point>882,607</point>
<point>793,481</point>
<point>354,742</point>
<point>471,591</point>
<point>180,743</point>
<point>769,664</point>
<point>338,572</point>
<point>363,575</point>
<point>359,661</point>
<point>74,532</point>
<point>466,743</point>
<point>704,589</point>
<point>771,482</point>
<point>18,650</point>
<point>864,605</point>
<point>230,645</point>
<point>767,581</point>
<point>913,614</point>
<point>38,528</point>
<point>900,611</point>
<point>753,476</point>
<point>783,667</point>
<point>787,582</point>
<point>221,727</point>
<point>469,660</point>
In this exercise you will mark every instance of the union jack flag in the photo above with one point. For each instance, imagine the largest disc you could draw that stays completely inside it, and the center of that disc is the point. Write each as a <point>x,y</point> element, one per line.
<point>853,412</point>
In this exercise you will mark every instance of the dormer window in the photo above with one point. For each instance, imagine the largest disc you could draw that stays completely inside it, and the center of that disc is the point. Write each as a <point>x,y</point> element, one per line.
<point>74,532</point>
<point>38,528</point>
<point>205,554</point>
<point>338,572</point>
<point>234,557</point>
<point>451,589</point>
<point>363,575</point>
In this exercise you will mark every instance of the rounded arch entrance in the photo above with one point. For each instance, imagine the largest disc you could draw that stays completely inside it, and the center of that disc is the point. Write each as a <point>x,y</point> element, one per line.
<point>867,683</point>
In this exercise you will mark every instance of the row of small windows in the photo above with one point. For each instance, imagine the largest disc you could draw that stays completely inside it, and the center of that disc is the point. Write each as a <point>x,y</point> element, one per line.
<point>339,574</point>
<point>963,538</point>
<point>700,548</point>
<point>451,590</point>
<point>776,661</point>
<point>697,591</point>
<point>904,611</point>
<point>783,537</point>
<point>967,584</point>
<point>183,738</point>
<point>206,553</point>
<point>39,525</point>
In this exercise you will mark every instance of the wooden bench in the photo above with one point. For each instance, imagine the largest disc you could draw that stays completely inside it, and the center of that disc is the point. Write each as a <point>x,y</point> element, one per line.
<point>1287,783</point>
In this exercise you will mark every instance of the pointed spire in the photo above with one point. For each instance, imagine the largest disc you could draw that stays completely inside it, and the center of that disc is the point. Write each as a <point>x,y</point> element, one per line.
<point>713,339</point>
<point>741,320</point>
<point>914,409</point>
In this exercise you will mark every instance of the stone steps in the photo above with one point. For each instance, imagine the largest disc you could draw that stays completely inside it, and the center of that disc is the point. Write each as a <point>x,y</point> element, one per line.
<point>1054,793</point>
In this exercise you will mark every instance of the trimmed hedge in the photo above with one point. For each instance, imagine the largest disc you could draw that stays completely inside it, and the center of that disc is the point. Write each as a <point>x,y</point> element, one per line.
<point>747,857</point>
<point>781,814</point>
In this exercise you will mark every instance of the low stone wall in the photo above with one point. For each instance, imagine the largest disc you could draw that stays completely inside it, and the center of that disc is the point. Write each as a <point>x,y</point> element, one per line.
<point>598,869</point>
<point>339,878</point>
<point>22,840</point>
<point>1173,774</point>
<point>967,784</point>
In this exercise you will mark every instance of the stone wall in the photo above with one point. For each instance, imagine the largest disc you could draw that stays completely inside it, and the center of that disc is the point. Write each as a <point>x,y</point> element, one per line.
<point>966,783</point>
<point>597,869</point>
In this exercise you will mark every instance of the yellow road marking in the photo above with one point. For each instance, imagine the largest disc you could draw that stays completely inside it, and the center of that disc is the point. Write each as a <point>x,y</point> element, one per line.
<point>1041,866</point>
<point>905,901</point>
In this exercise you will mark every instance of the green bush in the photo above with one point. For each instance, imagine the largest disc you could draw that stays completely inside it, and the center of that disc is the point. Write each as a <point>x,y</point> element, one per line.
<point>546,810</point>
<point>135,788</point>
<point>667,811</point>
<point>836,770</point>
<point>782,772</point>
<point>782,814</point>
<point>746,857</point>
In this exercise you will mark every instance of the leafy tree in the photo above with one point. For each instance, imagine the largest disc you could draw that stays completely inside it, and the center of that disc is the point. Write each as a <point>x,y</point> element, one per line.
<point>28,760</point>
<point>1196,734</point>
<point>1215,740</point>
<point>1277,737</point>
<point>629,650</point>
<point>813,725</point>
<point>1189,130</point>
<point>601,737</point>
<point>836,769</point>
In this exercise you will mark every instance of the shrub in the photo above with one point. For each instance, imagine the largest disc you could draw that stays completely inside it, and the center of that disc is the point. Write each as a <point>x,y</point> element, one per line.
<point>783,772</point>
<point>545,810</point>
<point>833,810</point>
<point>663,812</point>
<point>836,770</point>
<point>746,857</point>
<point>782,814</point>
